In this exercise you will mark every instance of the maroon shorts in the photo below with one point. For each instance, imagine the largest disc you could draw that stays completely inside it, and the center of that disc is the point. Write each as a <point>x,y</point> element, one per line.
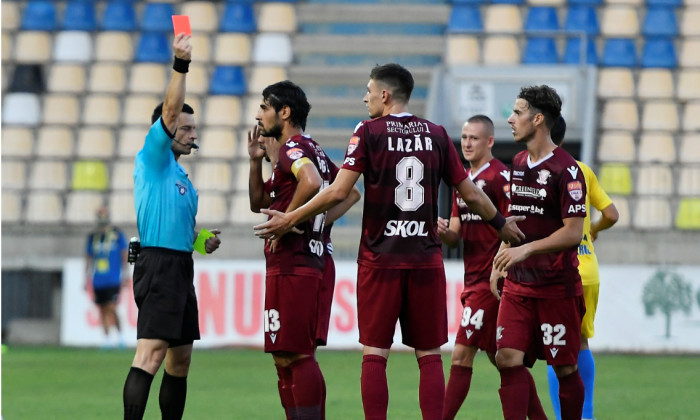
<point>291,313</point>
<point>325,299</point>
<point>478,325</point>
<point>415,297</point>
<point>548,329</point>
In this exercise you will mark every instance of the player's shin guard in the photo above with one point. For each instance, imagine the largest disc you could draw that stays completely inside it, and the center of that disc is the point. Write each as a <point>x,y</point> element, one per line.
<point>173,393</point>
<point>308,388</point>
<point>431,389</point>
<point>375,392</point>
<point>284,386</point>
<point>554,390</point>
<point>457,389</point>
<point>514,392</point>
<point>136,388</point>
<point>571,396</point>
<point>586,368</point>
<point>534,406</point>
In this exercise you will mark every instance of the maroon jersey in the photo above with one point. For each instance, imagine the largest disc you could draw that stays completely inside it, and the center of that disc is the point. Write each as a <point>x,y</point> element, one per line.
<point>297,253</point>
<point>546,192</point>
<point>481,239</point>
<point>403,158</point>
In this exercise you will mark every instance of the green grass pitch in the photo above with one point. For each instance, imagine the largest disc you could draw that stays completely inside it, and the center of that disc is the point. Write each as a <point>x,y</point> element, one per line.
<point>69,383</point>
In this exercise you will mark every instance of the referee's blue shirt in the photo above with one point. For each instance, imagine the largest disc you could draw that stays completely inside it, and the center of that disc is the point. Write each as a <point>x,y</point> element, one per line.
<point>165,200</point>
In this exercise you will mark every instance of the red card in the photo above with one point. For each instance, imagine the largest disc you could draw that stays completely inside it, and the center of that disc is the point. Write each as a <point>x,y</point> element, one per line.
<point>181,23</point>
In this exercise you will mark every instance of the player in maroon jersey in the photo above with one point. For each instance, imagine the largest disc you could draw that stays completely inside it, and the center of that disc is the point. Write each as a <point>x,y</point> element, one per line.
<point>295,291</point>
<point>542,300</point>
<point>478,325</point>
<point>400,270</point>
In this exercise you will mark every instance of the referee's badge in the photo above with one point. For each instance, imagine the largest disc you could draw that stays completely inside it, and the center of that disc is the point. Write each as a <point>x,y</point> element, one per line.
<point>181,188</point>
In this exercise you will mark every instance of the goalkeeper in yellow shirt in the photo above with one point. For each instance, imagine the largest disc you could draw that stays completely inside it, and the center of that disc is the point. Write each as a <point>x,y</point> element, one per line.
<point>588,269</point>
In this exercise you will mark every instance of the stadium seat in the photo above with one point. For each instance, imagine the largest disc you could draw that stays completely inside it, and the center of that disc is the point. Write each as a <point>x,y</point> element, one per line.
<point>203,15</point>
<point>17,142</point>
<point>81,205</point>
<point>54,142</point>
<point>619,22</point>
<point>616,146</point>
<point>61,109</point>
<point>657,147</point>
<point>201,43</point>
<point>689,56</point>
<point>667,3</point>
<point>272,48</point>
<point>7,50</point>
<point>615,83</point>
<point>131,138</point>
<point>655,84</point>
<point>14,175</point>
<point>153,47</point>
<point>616,178</point>
<point>44,207</point>
<point>689,181</point>
<point>503,18</point>
<point>691,122</point>
<point>654,180</point>
<point>66,78</point>
<point>659,52</point>
<point>27,78</point>
<point>689,21</point>
<point>48,175</point>
<point>623,209</point>
<point>240,213</point>
<point>652,213</point>
<point>690,148</point>
<point>101,109</point>
<point>514,2</point>
<point>79,16</point>
<point>688,87</point>
<point>228,80</point>
<point>465,19</point>
<point>629,3</point>
<point>501,50</point>
<point>113,46</point>
<point>250,109</point>
<point>238,17</point>
<point>224,111</point>
<point>556,3</point>
<point>660,21</point>
<point>277,17</point>
<point>107,78</point>
<point>74,46</point>
<point>123,175</point>
<point>586,2</point>
<point>687,218</point>
<point>232,48</point>
<point>10,16</point>
<point>32,47</point>
<point>21,109</point>
<point>148,78</point>
<point>462,49</point>
<point>619,52</point>
<point>542,18</point>
<point>39,16</point>
<point>582,18</point>
<point>212,209</point>
<point>218,143</point>
<point>157,17</point>
<point>620,114</point>
<point>95,142</point>
<point>212,175</point>
<point>572,52</point>
<point>121,207</point>
<point>540,50</point>
<point>263,76</point>
<point>11,205</point>
<point>90,175</point>
<point>660,115</point>
<point>137,109</point>
<point>119,16</point>
<point>198,79</point>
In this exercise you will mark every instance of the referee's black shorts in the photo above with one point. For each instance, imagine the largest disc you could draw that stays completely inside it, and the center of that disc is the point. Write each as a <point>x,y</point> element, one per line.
<point>164,294</point>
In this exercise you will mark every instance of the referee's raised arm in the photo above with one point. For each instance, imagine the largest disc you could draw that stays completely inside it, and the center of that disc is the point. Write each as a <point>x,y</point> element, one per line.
<point>175,95</point>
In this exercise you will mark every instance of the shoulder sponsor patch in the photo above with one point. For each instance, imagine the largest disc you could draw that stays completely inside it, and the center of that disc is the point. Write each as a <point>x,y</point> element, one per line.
<point>295,153</point>
<point>575,190</point>
<point>354,141</point>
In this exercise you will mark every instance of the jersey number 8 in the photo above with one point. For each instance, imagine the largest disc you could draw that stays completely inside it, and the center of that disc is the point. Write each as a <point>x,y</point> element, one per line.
<point>409,195</point>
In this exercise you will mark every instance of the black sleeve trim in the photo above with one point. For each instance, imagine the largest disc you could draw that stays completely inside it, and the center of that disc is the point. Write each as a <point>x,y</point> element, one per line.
<point>162,124</point>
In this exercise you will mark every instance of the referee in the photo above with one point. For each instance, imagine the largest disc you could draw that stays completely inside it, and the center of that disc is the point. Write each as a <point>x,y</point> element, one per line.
<point>166,205</point>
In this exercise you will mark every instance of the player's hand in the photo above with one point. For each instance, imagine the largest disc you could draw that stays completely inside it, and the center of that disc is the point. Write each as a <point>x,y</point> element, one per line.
<point>212,244</point>
<point>496,276</point>
<point>182,46</point>
<point>443,226</point>
<point>594,235</point>
<point>272,149</point>
<point>279,224</point>
<point>507,257</point>
<point>255,149</point>
<point>510,232</point>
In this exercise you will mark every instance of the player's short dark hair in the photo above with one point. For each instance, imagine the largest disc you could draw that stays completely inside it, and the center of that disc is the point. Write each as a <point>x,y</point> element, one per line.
<point>558,130</point>
<point>287,93</point>
<point>158,111</point>
<point>485,120</point>
<point>397,77</point>
<point>542,99</point>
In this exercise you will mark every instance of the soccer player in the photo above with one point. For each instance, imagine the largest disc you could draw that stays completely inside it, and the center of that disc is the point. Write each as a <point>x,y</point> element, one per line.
<point>400,269</point>
<point>166,205</point>
<point>541,304</point>
<point>297,296</point>
<point>588,269</point>
<point>478,325</point>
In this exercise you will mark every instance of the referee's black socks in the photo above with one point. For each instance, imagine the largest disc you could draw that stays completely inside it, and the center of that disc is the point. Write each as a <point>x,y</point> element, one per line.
<point>136,388</point>
<point>173,392</point>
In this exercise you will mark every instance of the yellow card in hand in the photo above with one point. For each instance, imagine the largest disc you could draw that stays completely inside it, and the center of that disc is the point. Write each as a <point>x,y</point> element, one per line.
<point>200,242</point>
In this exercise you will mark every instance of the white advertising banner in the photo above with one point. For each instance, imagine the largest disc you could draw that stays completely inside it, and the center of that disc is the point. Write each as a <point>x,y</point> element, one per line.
<point>641,308</point>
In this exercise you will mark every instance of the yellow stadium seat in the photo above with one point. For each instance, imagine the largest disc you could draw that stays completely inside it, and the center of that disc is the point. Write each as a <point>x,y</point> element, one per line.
<point>690,148</point>
<point>232,48</point>
<point>130,140</point>
<point>90,175</point>
<point>615,83</point>
<point>121,207</point>
<point>654,180</point>
<point>44,207</point>
<point>691,122</point>
<point>616,146</point>
<point>689,181</point>
<point>95,142</point>
<point>81,206</point>
<point>48,175</point>
<point>203,16</point>
<point>222,110</point>
<point>11,206</point>
<point>6,48</point>
<point>113,46</point>
<point>655,83</point>
<point>137,109</point>
<point>55,142</point>
<point>14,175</point>
<point>212,176</point>
<point>620,114</point>
<point>197,80</point>
<point>277,17</point>
<point>101,109</point>
<point>689,56</point>
<point>660,115</point>
<point>217,143</point>
<point>201,43</point>
<point>17,142</point>
<point>619,22</point>
<point>688,84</point>
<point>688,216</point>
<point>61,109</point>
<point>212,209</point>
<point>32,47</point>
<point>462,49</point>
<point>10,16</point>
<point>263,76</point>
<point>148,78</point>
<point>501,50</point>
<point>657,147</point>
<point>689,22</point>
<point>66,78</point>
<point>240,211</point>
<point>123,175</point>
<point>502,18</point>
<point>252,105</point>
<point>107,78</point>
<point>616,178</point>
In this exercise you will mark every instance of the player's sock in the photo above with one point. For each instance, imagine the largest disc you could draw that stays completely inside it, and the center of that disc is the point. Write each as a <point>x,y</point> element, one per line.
<point>457,389</point>
<point>173,393</point>
<point>586,368</point>
<point>514,392</point>
<point>375,391</point>
<point>554,390</point>
<point>284,385</point>
<point>534,406</point>
<point>571,396</point>
<point>307,388</point>
<point>431,388</point>
<point>136,388</point>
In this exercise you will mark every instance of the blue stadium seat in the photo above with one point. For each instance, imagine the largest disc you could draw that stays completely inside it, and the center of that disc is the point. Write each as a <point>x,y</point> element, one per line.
<point>582,18</point>
<point>157,17</point>
<point>673,3</point>
<point>238,17</point>
<point>588,2</point>
<point>508,1</point>
<point>465,19</point>
<point>153,47</point>
<point>659,52</point>
<point>660,21</point>
<point>542,19</point>
<point>619,52</point>
<point>539,50</point>
<point>241,1</point>
<point>472,2</point>
<point>572,53</point>
<point>228,80</point>
<point>79,16</point>
<point>39,16</point>
<point>119,16</point>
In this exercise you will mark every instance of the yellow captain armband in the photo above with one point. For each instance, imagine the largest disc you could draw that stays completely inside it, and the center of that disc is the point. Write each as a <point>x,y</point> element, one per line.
<point>298,164</point>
